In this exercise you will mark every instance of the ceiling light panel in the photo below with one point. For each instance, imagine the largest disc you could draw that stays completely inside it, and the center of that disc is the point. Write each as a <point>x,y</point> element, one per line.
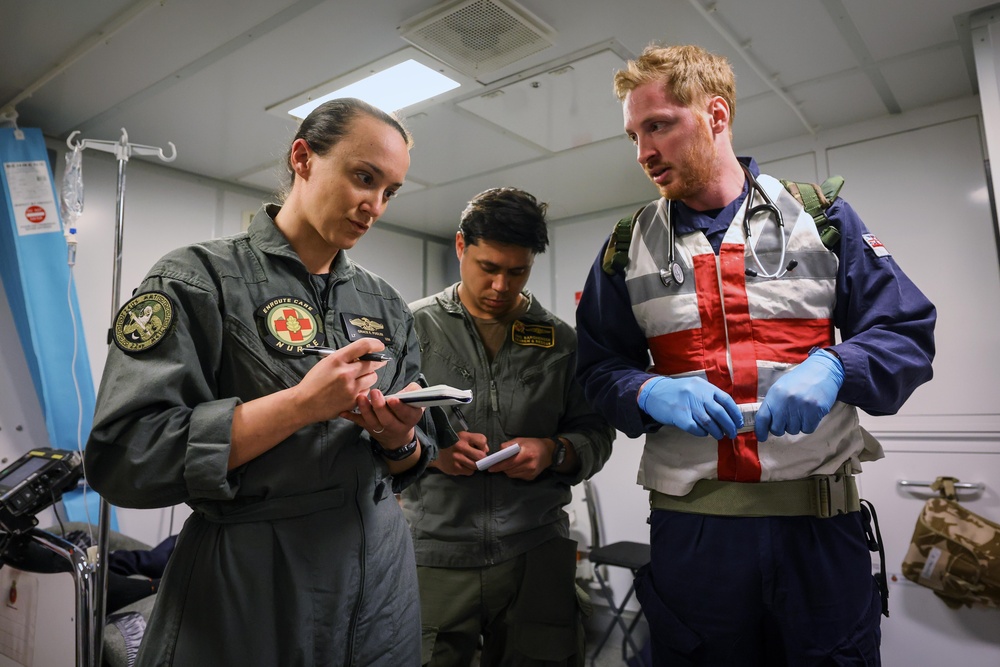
<point>347,83</point>
<point>392,89</point>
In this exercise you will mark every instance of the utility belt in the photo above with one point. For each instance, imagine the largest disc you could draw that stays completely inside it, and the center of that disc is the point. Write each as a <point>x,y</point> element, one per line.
<point>274,509</point>
<point>820,496</point>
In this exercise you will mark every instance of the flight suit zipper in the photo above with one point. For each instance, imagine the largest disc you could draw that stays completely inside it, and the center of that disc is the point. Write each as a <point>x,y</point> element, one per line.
<point>493,411</point>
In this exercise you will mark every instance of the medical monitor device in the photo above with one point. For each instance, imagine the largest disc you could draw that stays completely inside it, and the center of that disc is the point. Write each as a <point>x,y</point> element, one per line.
<point>33,482</point>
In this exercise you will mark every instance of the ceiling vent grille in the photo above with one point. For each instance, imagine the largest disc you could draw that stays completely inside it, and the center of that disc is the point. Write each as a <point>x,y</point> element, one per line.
<point>477,37</point>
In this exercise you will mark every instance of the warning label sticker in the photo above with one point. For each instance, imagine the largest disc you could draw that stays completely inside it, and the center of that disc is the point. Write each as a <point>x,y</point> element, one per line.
<point>32,197</point>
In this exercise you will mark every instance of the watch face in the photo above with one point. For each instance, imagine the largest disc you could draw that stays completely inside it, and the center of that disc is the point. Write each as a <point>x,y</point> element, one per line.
<point>559,455</point>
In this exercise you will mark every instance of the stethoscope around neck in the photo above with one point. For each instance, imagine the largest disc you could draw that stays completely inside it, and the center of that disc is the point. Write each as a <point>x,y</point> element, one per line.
<point>674,272</point>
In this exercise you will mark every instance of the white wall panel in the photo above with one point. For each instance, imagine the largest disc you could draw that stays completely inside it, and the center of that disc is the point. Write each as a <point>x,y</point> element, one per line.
<point>922,193</point>
<point>396,257</point>
<point>576,243</point>
<point>441,265</point>
<point>801,168</point>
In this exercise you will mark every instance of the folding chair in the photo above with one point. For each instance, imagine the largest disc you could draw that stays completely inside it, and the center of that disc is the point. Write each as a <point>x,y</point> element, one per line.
<point>630,555</point>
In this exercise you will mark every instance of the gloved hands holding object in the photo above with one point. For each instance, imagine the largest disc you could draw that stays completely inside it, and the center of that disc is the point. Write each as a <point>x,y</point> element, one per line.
<point>692,404</point>
<point>801,397</point>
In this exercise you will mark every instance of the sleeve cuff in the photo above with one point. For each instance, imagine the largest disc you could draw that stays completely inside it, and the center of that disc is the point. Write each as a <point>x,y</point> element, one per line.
<point>206,462</point>
<point>645,389</point>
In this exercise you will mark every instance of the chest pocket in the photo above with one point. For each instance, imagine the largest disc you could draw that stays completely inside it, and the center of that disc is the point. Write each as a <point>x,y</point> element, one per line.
<point>442,359</point>
<point>249,369</point>
<point>532,401</point>
<point>442,365</point>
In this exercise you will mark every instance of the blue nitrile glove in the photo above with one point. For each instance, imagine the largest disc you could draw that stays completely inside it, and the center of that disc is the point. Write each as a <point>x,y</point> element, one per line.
<point>801,397</point>
<point>691,404</point>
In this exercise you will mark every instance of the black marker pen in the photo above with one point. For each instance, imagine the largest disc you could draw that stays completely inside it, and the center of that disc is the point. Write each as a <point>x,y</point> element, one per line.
<point>324,351</point>
<point>375,356</point>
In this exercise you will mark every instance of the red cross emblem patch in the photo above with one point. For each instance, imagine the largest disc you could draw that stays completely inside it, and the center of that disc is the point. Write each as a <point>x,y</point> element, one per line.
<point>290,324</point>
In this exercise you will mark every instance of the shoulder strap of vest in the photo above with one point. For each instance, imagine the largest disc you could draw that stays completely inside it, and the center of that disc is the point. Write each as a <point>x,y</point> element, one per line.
<point>815,199</point>
<point>616,254</point>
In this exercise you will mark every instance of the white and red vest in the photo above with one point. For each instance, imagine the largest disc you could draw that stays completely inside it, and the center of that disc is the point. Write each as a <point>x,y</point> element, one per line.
<point>741,334</point>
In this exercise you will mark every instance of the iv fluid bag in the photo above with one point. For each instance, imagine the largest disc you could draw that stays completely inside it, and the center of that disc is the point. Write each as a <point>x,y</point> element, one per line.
<point>72,189</point>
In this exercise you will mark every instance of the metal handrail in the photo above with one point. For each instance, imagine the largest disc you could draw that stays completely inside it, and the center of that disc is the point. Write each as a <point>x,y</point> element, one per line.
<point>978,487</point>
<point>82,568</point>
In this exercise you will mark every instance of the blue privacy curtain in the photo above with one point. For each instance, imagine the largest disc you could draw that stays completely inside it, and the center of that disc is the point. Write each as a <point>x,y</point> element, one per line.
<point>43,303</point>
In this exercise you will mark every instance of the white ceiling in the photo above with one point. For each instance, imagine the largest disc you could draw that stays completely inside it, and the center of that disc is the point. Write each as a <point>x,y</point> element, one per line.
<point>202,74</point>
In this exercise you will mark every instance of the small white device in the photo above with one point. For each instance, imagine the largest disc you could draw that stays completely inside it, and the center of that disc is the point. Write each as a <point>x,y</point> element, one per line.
<point>497,457</point>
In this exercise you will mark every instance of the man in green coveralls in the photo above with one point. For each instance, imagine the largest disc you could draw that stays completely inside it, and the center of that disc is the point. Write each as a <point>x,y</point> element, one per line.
<point>493,551</point>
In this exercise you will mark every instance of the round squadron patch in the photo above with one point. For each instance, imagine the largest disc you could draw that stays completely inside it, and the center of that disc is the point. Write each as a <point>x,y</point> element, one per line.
<point>289,325</point>
<point>143,322</point>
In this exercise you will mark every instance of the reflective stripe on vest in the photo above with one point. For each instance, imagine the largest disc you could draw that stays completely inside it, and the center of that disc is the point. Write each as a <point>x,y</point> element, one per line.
<point>738,332</point>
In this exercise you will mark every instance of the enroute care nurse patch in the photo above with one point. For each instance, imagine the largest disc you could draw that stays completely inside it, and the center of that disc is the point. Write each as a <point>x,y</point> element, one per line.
<point>289,324</point>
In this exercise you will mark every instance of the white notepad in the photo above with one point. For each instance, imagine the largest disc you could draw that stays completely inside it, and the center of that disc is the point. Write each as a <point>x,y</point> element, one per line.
<point>439,394</point>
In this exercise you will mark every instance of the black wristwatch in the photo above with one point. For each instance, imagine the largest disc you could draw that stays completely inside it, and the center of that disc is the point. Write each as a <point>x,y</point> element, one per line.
<point>395,454</point>
<point>558,454</point>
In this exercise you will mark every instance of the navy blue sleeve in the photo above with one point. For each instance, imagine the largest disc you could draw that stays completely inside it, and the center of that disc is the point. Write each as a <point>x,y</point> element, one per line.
<point>612,354</point>
<point>886,322</point>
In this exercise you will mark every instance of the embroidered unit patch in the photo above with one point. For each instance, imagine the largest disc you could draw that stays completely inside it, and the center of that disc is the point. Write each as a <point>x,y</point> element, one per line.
<point>143,322</point>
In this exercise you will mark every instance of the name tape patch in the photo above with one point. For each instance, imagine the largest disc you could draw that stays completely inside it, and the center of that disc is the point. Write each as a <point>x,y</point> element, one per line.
<point>533,335</point>
<point>363,326</point>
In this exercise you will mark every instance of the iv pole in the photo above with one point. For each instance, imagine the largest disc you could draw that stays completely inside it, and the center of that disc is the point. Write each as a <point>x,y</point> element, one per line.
<point>122,150</point>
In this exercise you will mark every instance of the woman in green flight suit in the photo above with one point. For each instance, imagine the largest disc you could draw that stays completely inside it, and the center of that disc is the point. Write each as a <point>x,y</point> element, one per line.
<point>296,552</point>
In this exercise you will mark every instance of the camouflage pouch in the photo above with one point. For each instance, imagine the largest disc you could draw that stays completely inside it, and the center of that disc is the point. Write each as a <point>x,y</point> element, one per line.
<point>955,552</point>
